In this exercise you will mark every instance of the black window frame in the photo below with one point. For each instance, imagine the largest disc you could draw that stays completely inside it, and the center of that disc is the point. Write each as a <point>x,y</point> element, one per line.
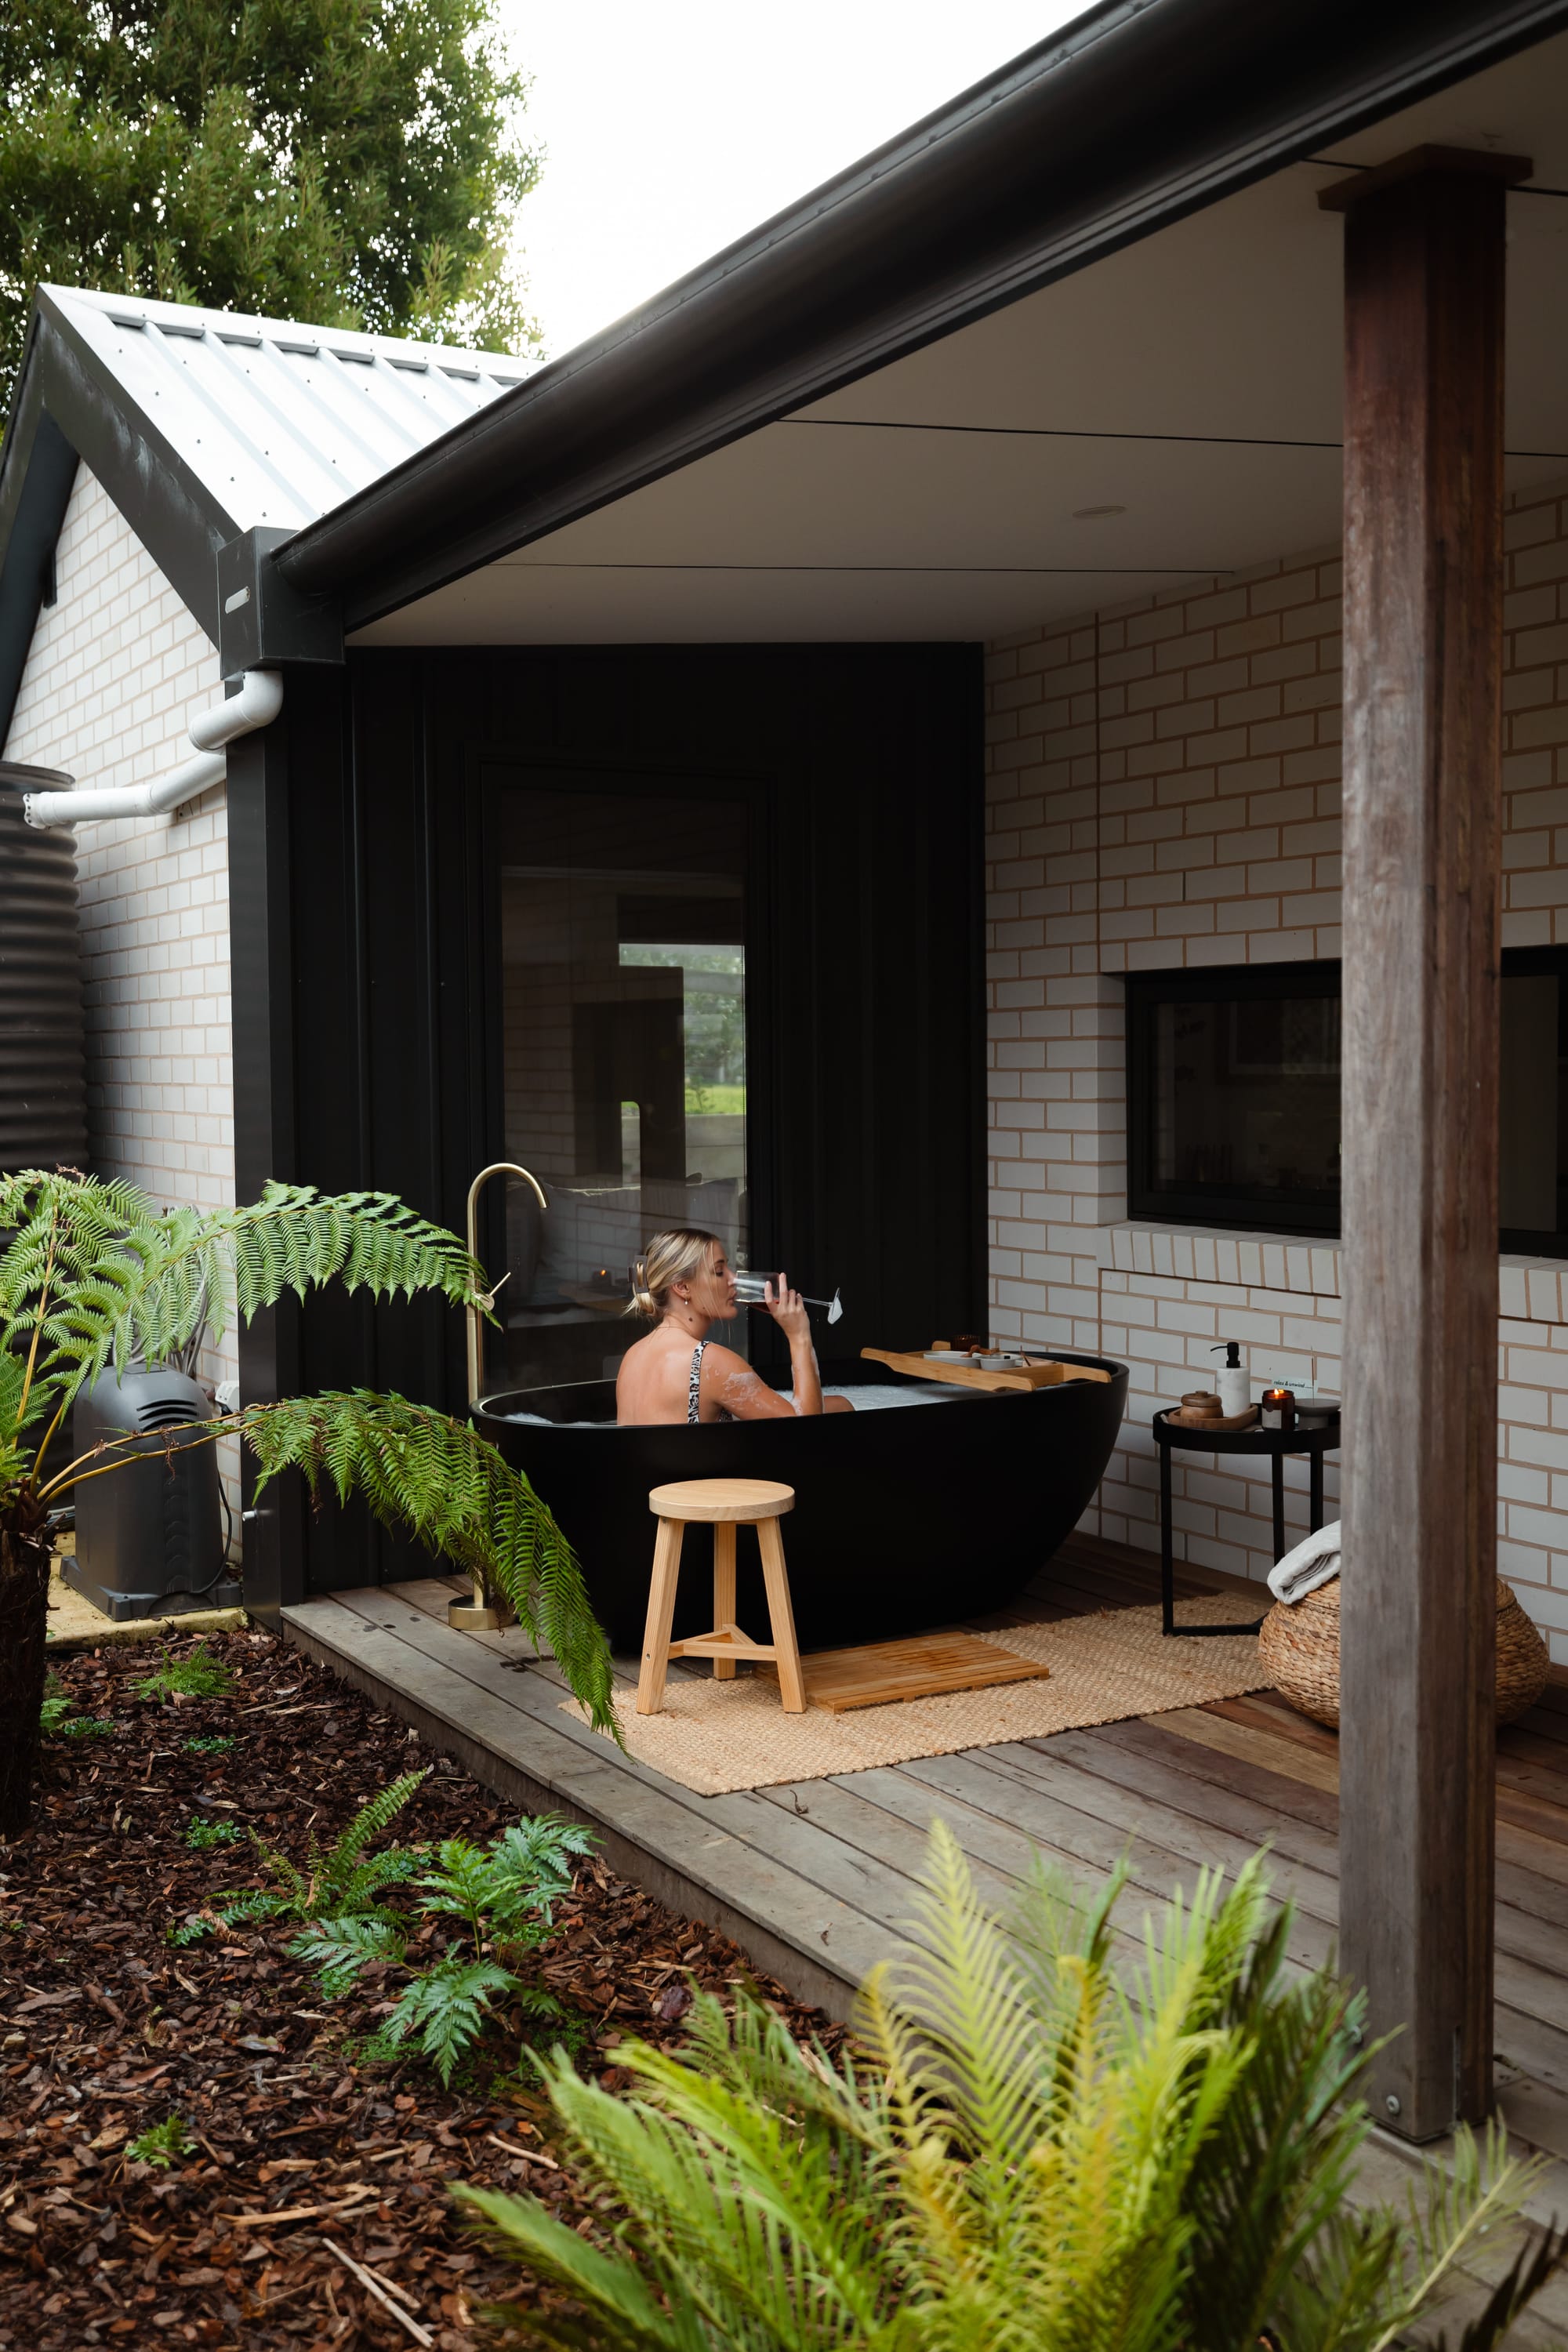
<point>1314,1215</point>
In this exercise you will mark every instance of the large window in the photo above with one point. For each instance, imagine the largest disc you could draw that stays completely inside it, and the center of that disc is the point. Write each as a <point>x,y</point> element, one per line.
<point>1233,1092</point>
<point>623,984</point>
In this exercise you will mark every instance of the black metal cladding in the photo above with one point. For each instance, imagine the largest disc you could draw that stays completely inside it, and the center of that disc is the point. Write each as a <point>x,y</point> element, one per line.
<point>43,1068</point>
<point>365,1050</point>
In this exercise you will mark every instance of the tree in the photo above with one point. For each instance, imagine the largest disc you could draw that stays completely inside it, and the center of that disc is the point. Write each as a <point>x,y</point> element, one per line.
<point>350,163</point>
<point>1024,2152</point>
<point>93,1268</point>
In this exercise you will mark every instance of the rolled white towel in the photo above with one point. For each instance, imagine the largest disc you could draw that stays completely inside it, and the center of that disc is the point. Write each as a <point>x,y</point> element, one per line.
<point>1313,1562</point>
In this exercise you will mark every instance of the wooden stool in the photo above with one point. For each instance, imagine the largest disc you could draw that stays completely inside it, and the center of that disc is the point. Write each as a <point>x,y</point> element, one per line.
<point>726,1503</point>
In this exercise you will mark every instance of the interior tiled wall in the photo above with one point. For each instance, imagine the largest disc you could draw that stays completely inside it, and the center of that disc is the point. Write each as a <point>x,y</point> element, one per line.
<point>1164,791</point>
<point>116,668</point>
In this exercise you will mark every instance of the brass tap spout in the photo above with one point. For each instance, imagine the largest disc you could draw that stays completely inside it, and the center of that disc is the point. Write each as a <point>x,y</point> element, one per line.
<point>479,1307</point>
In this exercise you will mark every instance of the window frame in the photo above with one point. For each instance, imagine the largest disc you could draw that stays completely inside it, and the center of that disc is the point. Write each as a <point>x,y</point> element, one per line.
<point>1314,1215</point>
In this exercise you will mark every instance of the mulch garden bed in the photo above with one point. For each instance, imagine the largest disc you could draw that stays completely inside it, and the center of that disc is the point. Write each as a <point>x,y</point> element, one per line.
<point>106,2031</point>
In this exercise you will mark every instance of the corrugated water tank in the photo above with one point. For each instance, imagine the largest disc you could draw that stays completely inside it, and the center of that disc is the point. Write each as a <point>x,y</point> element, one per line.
<point>43,1048</point>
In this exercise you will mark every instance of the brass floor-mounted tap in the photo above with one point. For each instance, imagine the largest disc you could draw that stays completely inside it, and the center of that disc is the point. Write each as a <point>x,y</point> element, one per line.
<point>486,1612</point>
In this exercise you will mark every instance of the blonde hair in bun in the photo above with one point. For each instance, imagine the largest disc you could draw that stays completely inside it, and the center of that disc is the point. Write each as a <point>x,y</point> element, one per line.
<point>668,1258</point>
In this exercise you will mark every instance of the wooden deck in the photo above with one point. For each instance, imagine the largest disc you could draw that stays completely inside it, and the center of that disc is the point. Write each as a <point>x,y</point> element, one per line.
<point>812,1879</point>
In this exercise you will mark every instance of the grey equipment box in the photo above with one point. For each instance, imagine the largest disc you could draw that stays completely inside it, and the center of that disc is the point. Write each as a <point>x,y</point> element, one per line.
<point>147,1536</point>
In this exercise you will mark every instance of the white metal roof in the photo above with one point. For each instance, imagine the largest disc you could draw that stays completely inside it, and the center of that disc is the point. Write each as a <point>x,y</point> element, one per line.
<point>280,422</point>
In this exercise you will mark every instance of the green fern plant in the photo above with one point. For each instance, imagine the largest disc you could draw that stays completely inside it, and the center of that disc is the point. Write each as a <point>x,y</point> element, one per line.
<point>509,1887</point>
<point>435,1476</point>
<point>92,1269</point>
<point>201,1675</point>
<point>235,1907</point>
<point>1024,2153</point>
<point>338,1882</point>
<point>200,1835</point>
<point>342,1880</point>
<point>502,1895</point>
<point>58,1718</point>
<point>445,2009</point>
<point>56,1708</point>
<point>161,2144</point>
<point>339,1949</point>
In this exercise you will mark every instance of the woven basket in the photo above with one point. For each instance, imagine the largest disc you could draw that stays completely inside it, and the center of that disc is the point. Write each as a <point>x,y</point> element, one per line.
<point>1300,1649</point>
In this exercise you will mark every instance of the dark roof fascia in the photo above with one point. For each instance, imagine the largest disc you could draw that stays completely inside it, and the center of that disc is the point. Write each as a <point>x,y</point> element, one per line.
<point>1140,113</point>
<point>36,477</point>
<point>66,391</point>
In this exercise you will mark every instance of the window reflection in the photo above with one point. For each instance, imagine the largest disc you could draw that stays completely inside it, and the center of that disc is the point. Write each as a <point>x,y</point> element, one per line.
<point>623,1057</point>
<point>1250,1094</point>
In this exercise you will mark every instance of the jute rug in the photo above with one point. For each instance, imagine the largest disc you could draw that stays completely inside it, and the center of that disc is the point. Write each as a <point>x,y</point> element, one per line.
<point>714,1736</point>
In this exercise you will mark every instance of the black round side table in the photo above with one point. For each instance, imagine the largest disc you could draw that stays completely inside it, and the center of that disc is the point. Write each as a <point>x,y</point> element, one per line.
<point>1320,1438</point>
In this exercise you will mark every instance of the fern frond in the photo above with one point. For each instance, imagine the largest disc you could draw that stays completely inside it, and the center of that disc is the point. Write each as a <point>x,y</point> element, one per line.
<point>993,2187</point>
<point>232,1908</point>
<point>340,1948</point>
<point>532,1859</point>
<point>511,1881</point>
<point>627,2313</point>
<point>1536,2264</point>
<point>446,2008</point>
<point>425,1472</point>
<point>369,1823</point>
<point>294,1238</point>
<point>94,1268</point>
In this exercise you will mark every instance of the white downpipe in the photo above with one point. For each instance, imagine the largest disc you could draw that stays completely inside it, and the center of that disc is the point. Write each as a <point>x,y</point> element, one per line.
<point>258,703</point>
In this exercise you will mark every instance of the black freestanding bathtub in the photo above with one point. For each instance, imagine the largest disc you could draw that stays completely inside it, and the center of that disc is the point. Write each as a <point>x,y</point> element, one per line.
<point>905,1518</point>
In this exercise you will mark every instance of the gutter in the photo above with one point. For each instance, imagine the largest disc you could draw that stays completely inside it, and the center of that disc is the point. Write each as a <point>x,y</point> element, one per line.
<point>258,703</point>
<point>1140,113</point>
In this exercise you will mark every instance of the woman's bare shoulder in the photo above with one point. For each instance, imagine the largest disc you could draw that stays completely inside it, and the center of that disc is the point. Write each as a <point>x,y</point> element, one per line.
<point>650,1385</point>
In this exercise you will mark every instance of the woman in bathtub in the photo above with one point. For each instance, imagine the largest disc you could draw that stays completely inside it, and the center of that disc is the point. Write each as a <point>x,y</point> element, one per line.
<point>683,1284</point>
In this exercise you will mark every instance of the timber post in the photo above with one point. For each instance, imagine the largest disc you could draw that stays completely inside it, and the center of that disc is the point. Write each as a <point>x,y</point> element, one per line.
<point>1424,241</point>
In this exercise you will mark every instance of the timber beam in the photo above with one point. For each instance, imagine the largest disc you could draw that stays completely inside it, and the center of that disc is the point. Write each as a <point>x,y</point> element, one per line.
<point>1424,244</point>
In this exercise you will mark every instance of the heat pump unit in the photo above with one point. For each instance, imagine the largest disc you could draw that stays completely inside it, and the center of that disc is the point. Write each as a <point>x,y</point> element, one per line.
<point>148,1538</point>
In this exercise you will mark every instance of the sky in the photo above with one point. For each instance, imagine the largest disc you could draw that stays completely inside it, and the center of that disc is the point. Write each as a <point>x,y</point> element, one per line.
<point>671,130</point>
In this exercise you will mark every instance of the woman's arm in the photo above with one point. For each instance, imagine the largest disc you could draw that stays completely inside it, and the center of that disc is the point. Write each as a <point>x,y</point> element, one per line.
<point>730,1381</point>
<point>789,1312</point>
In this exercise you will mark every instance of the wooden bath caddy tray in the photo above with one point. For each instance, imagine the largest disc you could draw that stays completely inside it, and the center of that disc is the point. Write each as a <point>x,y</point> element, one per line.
<point>1038,1375</point>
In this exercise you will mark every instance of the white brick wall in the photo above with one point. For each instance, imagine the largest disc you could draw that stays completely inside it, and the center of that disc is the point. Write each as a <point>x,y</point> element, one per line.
<point>1164,791</point>
<point>116,668</point>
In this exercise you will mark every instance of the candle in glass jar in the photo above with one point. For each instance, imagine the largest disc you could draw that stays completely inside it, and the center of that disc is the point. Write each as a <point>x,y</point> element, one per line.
<point>1278,1409</point>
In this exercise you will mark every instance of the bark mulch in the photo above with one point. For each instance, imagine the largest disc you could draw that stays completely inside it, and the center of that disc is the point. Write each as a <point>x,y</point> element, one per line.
<point>105,2030</point>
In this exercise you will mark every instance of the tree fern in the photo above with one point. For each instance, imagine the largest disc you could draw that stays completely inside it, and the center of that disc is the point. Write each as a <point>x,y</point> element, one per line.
<point>1024,2160</point>
<point>93,1269</point>
<point>96,1267</point>
<point>423,1471</point>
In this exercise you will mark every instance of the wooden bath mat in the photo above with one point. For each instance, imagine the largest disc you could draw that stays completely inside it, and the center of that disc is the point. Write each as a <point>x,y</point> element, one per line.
<point>712,1736</point>
<point>879,1673</point>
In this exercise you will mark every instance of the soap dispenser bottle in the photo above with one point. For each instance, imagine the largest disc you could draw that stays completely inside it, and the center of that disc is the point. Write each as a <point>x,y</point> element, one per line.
<point>1234,1382</point>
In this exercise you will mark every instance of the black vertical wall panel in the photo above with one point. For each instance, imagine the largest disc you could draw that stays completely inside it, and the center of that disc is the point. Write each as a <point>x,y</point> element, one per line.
<point>286,801</point>
<point>864,767</point>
